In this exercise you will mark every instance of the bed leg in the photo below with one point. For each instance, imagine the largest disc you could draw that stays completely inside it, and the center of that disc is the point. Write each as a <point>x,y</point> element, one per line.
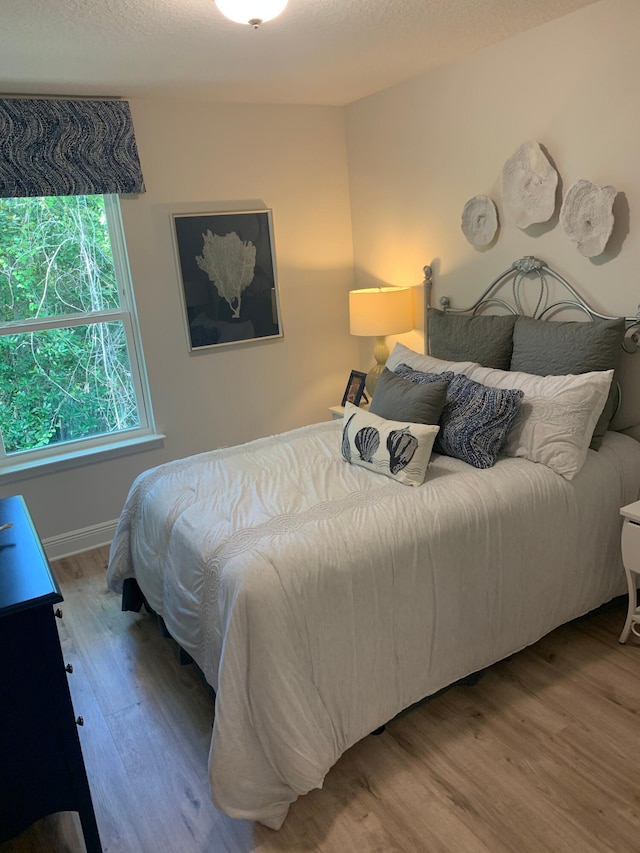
<point>184,657</point>
<point>132,597</point>
<point>162,627</point>
<point>378,731</point>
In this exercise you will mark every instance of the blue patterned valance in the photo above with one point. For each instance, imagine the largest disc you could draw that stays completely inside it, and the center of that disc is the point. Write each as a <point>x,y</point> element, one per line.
<point>67,147</point>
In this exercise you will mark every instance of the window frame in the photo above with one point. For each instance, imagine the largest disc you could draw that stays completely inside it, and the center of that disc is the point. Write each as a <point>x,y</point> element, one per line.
<point>66,454</point>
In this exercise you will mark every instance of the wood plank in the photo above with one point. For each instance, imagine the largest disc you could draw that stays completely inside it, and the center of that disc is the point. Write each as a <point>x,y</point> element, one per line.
<point>540,755</point>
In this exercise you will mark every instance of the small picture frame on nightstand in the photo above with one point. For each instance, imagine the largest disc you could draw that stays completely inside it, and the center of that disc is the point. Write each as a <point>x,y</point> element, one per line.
<point>355,388</point>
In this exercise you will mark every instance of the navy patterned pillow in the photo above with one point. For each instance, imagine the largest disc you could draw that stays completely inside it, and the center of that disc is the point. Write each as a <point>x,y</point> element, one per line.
<point>422,378</point>
<point>476,419</point>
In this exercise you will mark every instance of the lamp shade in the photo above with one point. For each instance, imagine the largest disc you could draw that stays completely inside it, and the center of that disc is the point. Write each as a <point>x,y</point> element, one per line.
<point>254,12</point>
<point>377,311</point>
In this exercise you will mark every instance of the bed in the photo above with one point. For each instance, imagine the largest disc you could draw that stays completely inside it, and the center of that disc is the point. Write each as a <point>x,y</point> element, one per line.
<point>321,598</point>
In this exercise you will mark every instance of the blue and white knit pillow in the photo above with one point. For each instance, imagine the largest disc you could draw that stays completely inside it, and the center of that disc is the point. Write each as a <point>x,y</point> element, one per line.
<point>421,378</point>
<point>476,419</point>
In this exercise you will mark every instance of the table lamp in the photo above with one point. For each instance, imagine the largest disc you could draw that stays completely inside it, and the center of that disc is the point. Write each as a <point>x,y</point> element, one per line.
<point>378,312</point>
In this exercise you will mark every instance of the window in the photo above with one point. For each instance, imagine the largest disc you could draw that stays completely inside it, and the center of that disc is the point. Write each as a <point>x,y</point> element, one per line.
<point>71,371</point>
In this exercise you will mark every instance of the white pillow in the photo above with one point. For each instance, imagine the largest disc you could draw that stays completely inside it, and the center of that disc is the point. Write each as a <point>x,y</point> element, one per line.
<point>397,449</point>
<point>557,415</point>
<point>426,363</point>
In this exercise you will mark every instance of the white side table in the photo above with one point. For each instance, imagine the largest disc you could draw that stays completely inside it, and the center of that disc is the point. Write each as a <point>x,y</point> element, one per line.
<point>631,560</point>
<point>337,412</point>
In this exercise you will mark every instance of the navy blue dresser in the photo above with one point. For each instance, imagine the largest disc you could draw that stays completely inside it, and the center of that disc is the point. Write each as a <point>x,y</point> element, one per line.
<point>41,765</point>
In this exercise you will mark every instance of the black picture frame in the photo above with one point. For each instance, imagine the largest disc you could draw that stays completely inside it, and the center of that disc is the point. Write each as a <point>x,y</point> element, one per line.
<point>226,268</point>
<point>355,388</point>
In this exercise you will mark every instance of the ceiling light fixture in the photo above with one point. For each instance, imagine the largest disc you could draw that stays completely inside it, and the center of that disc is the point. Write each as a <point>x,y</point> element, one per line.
<point>252,12</point>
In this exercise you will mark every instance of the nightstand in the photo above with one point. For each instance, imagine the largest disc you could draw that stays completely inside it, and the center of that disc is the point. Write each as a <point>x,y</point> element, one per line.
<point>337,412</point>
<point>631,560</point>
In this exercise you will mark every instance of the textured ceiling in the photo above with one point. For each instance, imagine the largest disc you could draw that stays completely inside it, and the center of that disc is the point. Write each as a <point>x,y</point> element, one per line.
<point>316,52</point>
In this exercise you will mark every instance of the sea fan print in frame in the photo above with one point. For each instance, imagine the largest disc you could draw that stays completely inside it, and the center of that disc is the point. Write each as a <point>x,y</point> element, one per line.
<point>226,266</point>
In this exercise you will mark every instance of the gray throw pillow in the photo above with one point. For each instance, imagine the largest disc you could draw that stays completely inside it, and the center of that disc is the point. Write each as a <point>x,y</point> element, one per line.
<point>484,338</point>
<point>399,399</point>
<point>554,348</point>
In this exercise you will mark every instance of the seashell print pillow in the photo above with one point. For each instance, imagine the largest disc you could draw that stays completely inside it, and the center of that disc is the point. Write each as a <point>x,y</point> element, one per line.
<point>396,449</point>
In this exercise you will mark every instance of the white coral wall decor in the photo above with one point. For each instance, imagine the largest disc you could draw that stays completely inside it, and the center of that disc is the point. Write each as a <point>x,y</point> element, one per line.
<point>529,184</point>
<point>479,220</point>
<point>587,216</point>
<point>230,264</point>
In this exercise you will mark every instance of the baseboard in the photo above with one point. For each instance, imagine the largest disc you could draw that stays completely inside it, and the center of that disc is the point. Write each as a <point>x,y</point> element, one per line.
<point>67,544</point>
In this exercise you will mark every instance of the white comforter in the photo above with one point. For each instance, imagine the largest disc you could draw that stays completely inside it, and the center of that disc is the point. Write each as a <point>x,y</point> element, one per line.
<point>320,599</point>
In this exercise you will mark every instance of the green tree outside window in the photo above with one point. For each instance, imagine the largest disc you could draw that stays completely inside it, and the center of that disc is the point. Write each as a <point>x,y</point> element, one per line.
<point>65,368</point>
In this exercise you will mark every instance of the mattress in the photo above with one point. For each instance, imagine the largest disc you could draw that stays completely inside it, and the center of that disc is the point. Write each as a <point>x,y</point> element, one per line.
<point>320,598</point>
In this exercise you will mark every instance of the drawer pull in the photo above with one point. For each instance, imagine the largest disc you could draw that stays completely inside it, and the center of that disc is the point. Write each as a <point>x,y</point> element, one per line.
<point>80,721</point>
<point>58,613</point>
<point>69,667</point>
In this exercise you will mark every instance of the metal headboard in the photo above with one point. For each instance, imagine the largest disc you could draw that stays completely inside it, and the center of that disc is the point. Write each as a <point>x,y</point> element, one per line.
<point>521,273</point>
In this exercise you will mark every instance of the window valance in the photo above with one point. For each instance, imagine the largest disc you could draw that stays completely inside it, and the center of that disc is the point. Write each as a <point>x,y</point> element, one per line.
<point>67,147</point>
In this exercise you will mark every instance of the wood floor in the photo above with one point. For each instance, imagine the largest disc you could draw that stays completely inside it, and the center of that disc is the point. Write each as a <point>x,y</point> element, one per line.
<point>541,755</point>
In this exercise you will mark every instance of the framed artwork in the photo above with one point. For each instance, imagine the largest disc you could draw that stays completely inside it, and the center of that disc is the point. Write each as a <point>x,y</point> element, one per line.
<point>226,266</point>
<point>355,388</point>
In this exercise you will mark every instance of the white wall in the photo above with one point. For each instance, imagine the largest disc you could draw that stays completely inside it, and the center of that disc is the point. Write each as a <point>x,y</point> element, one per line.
<point>419,151</point>
<point>196,157</point>
<point>416,154</point>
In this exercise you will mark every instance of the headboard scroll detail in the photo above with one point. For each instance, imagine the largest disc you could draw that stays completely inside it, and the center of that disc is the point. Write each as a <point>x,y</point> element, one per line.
<point>521,273</point>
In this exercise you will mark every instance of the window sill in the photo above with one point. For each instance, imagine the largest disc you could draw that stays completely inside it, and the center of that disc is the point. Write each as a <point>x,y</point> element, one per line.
<point>76,458</point>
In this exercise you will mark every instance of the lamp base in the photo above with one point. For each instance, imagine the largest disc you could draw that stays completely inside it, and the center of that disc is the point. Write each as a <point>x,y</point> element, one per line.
<point>381,354</point>
<point>372,379</point>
